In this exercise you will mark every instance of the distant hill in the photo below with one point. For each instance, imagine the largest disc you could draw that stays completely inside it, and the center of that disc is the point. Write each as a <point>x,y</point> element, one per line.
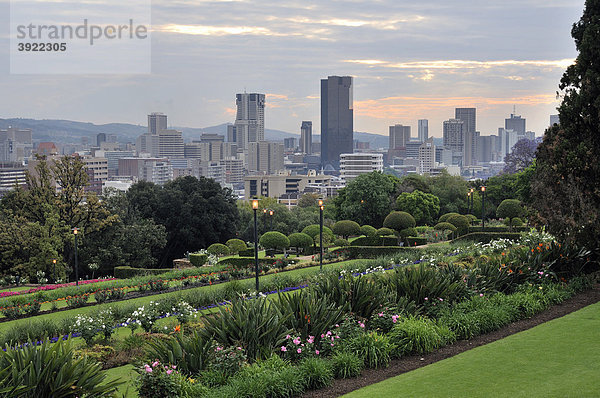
<point>68,131</point>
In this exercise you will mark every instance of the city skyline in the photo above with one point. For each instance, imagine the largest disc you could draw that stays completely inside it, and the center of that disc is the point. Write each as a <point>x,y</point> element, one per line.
<point>409,62</point>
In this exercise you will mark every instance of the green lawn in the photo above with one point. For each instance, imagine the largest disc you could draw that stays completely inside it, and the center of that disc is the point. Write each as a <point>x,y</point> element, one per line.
<point>560,358</point>
<point>126,374</point>
<point>16,289</point>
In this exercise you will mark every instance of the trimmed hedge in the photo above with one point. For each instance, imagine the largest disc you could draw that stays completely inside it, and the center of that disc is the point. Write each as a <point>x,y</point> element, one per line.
<point>498,229</point>
<point>246,262</point>
<point>486,237</point>
<point>416,239</point>
<point>247,253</point>
<point>371,251</point>
<point>130,272</point>
<point>198,259</point>
<point>375,241</point>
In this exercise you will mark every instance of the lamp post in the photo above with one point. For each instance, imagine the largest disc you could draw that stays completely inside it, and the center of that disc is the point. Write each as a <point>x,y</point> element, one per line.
<point>483,208</point>
<point>321,233</point>
<point>264,220</point>
<point>75,232</point>
<point>54,270</point>
<point>468,202</point>
<point>472,200</point>
<point>255,208</point>
<point>270,220</point>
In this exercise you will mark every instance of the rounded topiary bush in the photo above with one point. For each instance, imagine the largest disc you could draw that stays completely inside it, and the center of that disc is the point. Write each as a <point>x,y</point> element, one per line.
<point>236,245</point>
<point>218,249</point>
<point>460,222</point>
<point>445,217</point>
<point>445,226</point>
<point>368,230</point>
<point>198,259</point>
<point>300,240</point>
<point>313,230</point>
<point>399,220</point>
<point>346,228</point>
<point>341,242</point>
<point>385,232</point>
<point>274,240</point>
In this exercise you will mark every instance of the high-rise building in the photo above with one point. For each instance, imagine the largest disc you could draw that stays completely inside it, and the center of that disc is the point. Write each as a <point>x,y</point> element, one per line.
<point>231,133</point>
<point>515,123</point>
<point>11,173</point>
<point>423,130</point>
<point>484,148</point>
<point>354,164</point>
<point>554,119</point>
<point>170,144</point>
<point>337,120</point>
<point>306,137</point>
<point>290,144</point>
<point>399,136</point>
<point>16,144</point>
<point>156,121</point>
<point>506,140</point>
<point>454,134</point>
<point>426,156</point>
<point>206,137</point>
<point>100,138</point>
<point>234,170</point>
<point>469,118</point>
<point>265,157</point>
<point>249,119</point>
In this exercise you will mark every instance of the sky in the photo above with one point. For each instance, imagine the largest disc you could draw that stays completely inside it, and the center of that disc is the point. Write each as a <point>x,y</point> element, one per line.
<point>410,60</point>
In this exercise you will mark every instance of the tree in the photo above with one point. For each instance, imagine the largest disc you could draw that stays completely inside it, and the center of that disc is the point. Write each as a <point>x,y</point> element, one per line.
<point>452,192</point>
<point>401,222</point>
<point>274,240</point>
<point>366,199</point>
<point>195,212</point>
<point>424,207</point>
<point>218,249</point>
<point>300,240</point>
<point>314,230</point>
<point>368,230</point>
<point>566,187</point>
<point>521,156</point>
<point>509,208</point>
<point>445,217</point>
<point>308,200</point>
<point>384,232</point>
<point>346,228</point>
<point>236,245</point>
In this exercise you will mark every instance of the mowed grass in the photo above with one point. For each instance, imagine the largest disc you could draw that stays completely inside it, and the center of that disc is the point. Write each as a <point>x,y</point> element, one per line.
<point>58,316</point>
<point>560,358</point>
<point>125,374</point>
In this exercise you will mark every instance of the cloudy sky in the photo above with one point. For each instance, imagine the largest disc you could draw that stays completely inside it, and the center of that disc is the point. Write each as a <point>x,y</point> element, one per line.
<point>410,60</point>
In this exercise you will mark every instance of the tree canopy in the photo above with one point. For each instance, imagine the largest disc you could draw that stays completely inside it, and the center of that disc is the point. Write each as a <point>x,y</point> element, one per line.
<point>424,207</point>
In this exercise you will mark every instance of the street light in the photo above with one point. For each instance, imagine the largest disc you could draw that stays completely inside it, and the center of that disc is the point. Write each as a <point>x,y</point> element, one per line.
<point>255,208</point>
<point>264,220</point>
<point>75,232</point>
<point>321,234</point>
<point>54,270</point>
<point>468,202</point>
<point>483,208</point>
<point>472,199</point>
<point>271,220</point>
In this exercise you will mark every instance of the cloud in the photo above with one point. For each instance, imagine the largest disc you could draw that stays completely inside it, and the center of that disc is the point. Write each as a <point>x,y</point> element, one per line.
<point>462,64</point>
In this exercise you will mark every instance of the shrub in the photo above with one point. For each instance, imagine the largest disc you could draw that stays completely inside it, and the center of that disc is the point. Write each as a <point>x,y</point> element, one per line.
<point>198,259</point>
<point>159,380</point>
<point>300,240</point>
<point>419,336</point>
<point>316,372</point>
<point>375,241</point>
<point>257,325</point>
<point>347,364</point>
<point>346,228</point>
<point>421,283</point>
<point>129,272</point>
<point>509,208</point>
<point>218,249</point>
<point>368,230</point>
<point>228,361</point>
<point>383,320</point>
<point>341,242</point>
<point>158,285</point>
<point>400,221</point>
<point>445,226</point>
<point>50,370</point>
<point>274,240</point>
<point>445,217</point>
<point>101,296</point>
<point>12,312</point>
<point>371,251</point>
<point>374,348</point>
<point>77,301</point>
<point>191,354</point>
<point>487,237</point>
<point>247,253</point>
<point>236,245</point>
<point>384,232</point>
<point>460,222</point>
<point>416,241</point>
<point>248,262</point>
<point>314,229</point>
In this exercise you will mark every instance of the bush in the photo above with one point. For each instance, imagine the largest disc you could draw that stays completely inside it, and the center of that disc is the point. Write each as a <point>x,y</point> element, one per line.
<point>316,372</point>
<point>248,262</point>
<point>129,272</point>
<point>198,259</point>
<point>218,249</point>
<point>160,380</point>
<point>347,364</point>
<point>399,221</point>
<point>236,245</point>
<point>274,240</point>
<point>346,228</point>
<point>77,301</point>
<point>460,222</point>
<point>416,241</point>
<point>314,229</point>
<point>487,237</point>
<point>247,253</point>
<point>445,226</point>
<point>374,348</point>
<point>445,217</point>
<point>341,242</point>
<point>384,232</point>
<point>50,370</point>
<point>191,354</point>
<point>419,336</point>
<point>498,229</point>
<point>371,251</point>
<point>509,208</point>
<point>14,312</point>
<point>375,241</point>
<point>368,230</point>
<point>516,222</point>
<point>300,240</point>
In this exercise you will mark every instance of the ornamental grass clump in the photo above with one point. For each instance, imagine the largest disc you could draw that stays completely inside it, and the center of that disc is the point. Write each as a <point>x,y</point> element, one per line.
<point>418,335</point>
<point>374,348</point>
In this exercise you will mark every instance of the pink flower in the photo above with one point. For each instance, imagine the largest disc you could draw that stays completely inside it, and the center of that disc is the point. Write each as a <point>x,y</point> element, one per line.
<point>154,364</point>
<point>480,294</point>
<point>322,335</point>
<point>332,344</point>
<point>288,337</point>
<point>362,325</point>
<point>381,314</point>
<point>296,341</point>
<point>317,352</point>
<point>337,326</point>
<point>219,348</point>
<point>394,318</point>
<point>148,369</point>
<point>283,349</point>
<point>299,350</point>
<point>169,371</point>
<point>426,299</point>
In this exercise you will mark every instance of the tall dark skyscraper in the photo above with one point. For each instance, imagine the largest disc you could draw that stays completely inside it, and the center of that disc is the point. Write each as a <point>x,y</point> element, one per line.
<point>469,118</point>
<point>306,137</point>
<point>516,123</point>
<point>156,122</point>
<point>337,121</point>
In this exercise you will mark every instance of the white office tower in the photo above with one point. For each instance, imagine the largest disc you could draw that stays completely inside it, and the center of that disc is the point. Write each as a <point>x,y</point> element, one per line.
<point>156,122</point>
<point>426,156</point>
<point>354,164</point>
<point>423,130</point>
<point>250,119</point>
